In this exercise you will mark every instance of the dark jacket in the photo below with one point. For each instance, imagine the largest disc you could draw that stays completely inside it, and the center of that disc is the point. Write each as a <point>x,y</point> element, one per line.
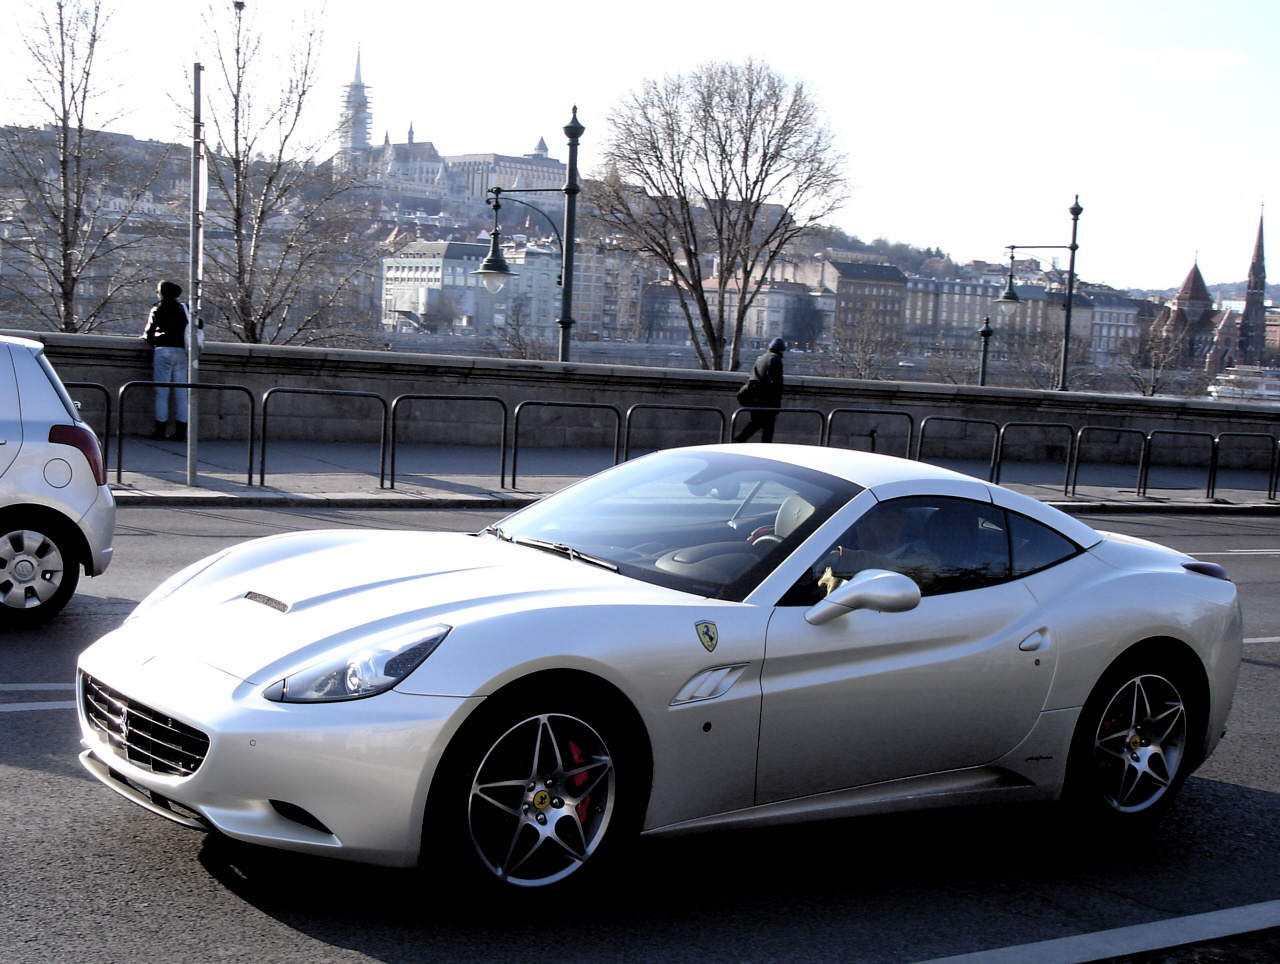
<point>767,371</point>
<point>167,324</point>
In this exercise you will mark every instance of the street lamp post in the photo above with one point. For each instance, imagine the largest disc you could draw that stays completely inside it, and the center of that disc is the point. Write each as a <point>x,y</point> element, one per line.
<point>1009,300</point>
<point>986,332</point>
<point>494,270</point>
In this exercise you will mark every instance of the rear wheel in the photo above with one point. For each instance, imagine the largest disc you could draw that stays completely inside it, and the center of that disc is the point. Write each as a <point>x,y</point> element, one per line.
<point>39,571</point>
<point>1131,751</point>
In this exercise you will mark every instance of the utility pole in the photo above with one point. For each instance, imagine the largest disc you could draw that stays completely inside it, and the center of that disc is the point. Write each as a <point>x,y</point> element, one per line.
<point>194,277</point>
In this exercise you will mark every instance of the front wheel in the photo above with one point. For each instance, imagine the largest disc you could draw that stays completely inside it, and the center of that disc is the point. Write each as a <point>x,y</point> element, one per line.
<point>39,571</point>
<point>1130,753</point>
<point>537,794</point>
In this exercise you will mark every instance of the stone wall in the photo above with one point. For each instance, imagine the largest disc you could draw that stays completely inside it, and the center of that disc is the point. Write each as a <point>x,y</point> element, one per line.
<point>113,361</point>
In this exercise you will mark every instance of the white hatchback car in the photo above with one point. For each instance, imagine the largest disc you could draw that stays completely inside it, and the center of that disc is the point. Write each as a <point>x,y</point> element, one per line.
<point>57,514</point>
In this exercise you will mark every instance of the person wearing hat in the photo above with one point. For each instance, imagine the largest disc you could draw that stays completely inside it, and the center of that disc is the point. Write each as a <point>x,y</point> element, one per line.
<point>763,390</point>
<point>166,332</point>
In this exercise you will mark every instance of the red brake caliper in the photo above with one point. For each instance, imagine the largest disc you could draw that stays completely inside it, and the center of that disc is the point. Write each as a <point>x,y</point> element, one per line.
<point>578,780</point>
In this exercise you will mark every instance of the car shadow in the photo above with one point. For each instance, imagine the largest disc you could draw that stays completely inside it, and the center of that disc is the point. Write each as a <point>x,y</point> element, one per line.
<point>940,882</point>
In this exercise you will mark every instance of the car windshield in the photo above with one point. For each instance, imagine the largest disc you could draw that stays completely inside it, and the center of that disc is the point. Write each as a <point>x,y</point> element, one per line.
<point>710,523</point>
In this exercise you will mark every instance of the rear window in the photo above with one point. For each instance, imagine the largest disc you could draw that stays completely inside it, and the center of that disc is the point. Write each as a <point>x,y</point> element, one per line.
<point>56,384</point>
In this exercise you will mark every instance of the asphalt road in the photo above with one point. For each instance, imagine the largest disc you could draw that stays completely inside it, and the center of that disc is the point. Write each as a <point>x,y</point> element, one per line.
<point>86,876</point>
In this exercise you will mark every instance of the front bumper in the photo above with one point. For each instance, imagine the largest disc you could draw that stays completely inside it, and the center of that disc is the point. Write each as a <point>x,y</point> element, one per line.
<point>347,780</point>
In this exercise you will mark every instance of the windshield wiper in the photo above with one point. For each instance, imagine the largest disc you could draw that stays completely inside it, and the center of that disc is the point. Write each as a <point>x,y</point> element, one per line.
<point>561,549</point>
<point>496,531</point>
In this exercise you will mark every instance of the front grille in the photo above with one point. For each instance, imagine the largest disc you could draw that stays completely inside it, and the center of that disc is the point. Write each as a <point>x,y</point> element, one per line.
<point>141,735</point>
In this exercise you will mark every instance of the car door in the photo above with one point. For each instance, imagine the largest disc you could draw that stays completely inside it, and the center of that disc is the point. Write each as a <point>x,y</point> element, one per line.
<point>10,411</point>
<point>956,682</point>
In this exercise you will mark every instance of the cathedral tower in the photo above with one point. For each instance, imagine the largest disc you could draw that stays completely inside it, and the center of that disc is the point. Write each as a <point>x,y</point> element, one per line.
<point>356,118</point>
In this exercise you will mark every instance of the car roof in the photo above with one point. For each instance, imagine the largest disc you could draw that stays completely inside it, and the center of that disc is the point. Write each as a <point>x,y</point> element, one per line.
<point>27,343</point>
<point>888,476</point>
<point>866,469</point>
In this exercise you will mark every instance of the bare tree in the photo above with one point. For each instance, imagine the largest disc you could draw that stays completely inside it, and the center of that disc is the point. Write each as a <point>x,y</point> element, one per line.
<point>861,348</point>
<point>280,262</point>
<point>713,174</point>
<point>516,335</point>
<point>74,199</point>
<point>1153,361</point>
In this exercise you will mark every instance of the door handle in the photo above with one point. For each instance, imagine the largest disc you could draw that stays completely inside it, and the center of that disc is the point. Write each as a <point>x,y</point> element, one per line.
<point>1033,642</point>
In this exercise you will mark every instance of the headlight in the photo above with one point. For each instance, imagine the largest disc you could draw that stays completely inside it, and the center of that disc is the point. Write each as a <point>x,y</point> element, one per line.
<point>374,668</point>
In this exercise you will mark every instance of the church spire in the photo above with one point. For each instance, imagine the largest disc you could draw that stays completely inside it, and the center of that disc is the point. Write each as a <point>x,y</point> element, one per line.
<point>356,116</point>
<point>1253,325</point>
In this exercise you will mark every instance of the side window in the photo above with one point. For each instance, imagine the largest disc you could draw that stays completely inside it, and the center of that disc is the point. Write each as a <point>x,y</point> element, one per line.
<point>945,545</point>
<point>1036,546</point>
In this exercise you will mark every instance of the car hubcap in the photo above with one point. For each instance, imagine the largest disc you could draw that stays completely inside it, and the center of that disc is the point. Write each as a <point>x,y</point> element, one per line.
<point>1140,743</point>
<point>541,800</point>
<point>31,569</point>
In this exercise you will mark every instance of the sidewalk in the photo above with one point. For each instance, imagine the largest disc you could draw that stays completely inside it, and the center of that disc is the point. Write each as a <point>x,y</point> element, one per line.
<point>345,474</point>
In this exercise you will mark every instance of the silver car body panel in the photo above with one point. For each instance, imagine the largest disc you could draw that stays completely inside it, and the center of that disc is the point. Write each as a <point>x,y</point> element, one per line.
<point>41,473</point>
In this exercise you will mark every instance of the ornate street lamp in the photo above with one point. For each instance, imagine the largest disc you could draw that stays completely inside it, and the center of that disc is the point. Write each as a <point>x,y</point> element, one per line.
<point>1009,300</point>
<point>494,270</point>
<point>986,332</point>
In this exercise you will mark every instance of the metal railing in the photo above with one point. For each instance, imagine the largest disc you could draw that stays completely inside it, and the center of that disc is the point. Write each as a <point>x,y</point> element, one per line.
<point>998,469</point>
<point>995,437</point>
<point>1273,460</point>
<point>822,417</point>
<point>1144,472</point>
<point>911,424</point>
<point>414,397</point>
<point>1076,440</point>
<point>1080,436</point>
<point>382,439</point>
<point>515,427</point>
<point>106,411</point>
<point>129,386</point>
<point>652,406</point>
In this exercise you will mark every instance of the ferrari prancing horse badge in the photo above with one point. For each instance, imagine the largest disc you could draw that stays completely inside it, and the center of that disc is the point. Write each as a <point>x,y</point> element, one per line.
<point>707,635</point>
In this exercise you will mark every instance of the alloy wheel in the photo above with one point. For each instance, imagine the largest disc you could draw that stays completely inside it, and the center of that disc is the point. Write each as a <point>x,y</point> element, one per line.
<point>1140,743</point>
<point>541,800</point>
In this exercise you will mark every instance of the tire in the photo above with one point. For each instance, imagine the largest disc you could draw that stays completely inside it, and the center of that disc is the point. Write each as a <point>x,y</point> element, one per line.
<point>39,571</point>
<point>530,798</point>
<point>1132,749</point>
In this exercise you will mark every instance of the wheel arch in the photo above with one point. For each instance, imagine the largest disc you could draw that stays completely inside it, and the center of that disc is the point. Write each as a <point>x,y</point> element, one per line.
<point>30,515</point>
<point>1179,656</point>
<point>579,685</point>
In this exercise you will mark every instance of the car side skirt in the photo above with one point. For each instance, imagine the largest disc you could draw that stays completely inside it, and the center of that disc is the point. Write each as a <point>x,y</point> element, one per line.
<point>1033,770</point>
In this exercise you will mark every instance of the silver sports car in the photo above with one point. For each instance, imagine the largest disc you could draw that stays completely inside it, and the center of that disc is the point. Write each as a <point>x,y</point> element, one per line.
<point>703,637</point>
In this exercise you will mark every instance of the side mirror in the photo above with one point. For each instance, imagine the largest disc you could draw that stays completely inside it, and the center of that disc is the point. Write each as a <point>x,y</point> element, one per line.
<point>879,590</point>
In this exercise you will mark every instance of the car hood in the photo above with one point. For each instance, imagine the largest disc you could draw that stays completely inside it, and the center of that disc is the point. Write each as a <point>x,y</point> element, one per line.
<point>284,601</point>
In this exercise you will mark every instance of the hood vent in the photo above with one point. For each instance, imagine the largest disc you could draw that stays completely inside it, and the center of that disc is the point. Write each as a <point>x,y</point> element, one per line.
<point>267,601</point>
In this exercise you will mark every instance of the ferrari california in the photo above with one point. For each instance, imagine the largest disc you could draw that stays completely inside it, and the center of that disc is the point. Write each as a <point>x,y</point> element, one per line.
<point>700,638</point>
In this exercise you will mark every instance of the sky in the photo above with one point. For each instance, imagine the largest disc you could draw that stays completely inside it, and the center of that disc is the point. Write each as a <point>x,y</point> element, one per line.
<point>967,125</point>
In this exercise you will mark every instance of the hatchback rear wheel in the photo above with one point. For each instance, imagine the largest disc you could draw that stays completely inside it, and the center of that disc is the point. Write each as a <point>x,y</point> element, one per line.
<point>39,571</point>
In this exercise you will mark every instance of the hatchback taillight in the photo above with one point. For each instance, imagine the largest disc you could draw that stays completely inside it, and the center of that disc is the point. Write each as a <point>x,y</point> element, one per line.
<point>81,438</point>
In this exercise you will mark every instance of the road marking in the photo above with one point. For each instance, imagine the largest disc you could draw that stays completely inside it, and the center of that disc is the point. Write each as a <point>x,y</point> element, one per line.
<point>36,687</point>
<point>1262,639</point>
<point>15,707</point>
<point>1124,941</point>
<point>1240,552</point>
